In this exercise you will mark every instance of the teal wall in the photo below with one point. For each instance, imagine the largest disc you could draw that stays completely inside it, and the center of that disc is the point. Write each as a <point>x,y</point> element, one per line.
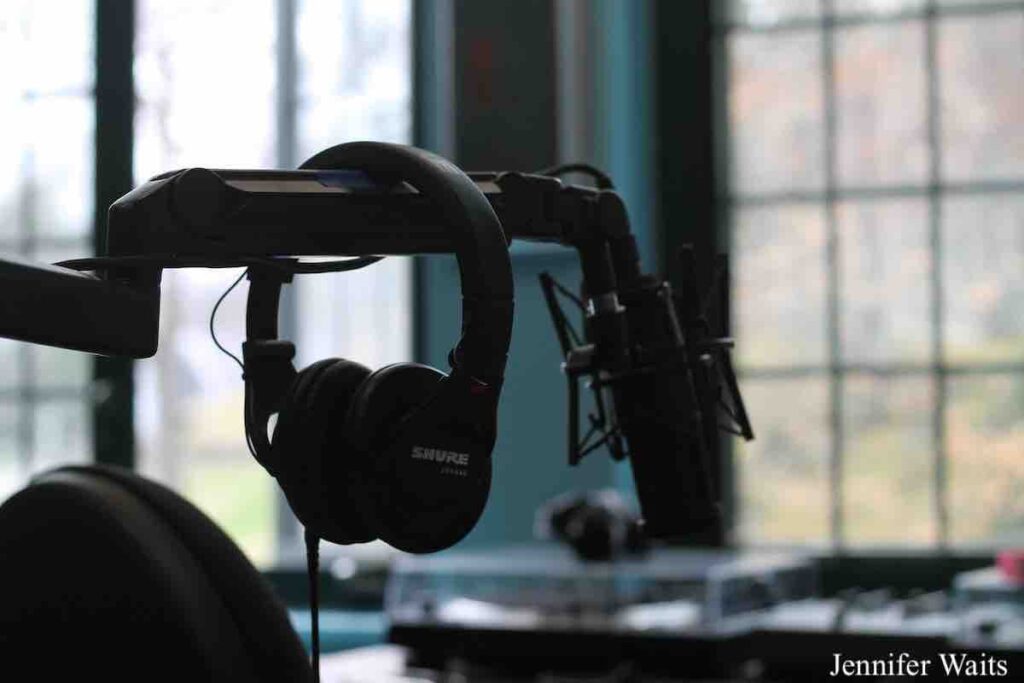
<point>624,141</point>
<point>624,130</point>
<point>502,115</point>
<point>530,457</point>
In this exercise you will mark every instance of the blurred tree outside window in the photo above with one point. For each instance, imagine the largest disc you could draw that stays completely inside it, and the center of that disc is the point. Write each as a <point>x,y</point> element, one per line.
<point>46,207</point>
<point>875,202</point>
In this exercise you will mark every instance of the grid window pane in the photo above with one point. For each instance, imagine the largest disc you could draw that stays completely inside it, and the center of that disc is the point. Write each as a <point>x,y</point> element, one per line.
<point>12,456</point>
<point>981,71</point>
<point>48,51</point>
<point>61,433</point>
<point>888,461</point>
<point>241,499</point>
<point>60,369</point>
<point>972,4</point>
<point>985,423</point>
<point>914,151</point>
<point>783,474</point>
<point>57,164</point>
<point>354,65</point>
<point>46,204</point>
<point>46,109</point>
<point>770,12</point>
<point>10,368</point>
<point>885,267</point>
<point>779,285</point>
<point>376,299</point>
<point>844,8</point>
<point>881,105</point>
<point>983,278</point>
<point>776,115</point>
<point>202,102</point>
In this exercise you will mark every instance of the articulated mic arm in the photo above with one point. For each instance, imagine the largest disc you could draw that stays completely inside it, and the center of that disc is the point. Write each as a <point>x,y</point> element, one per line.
<point>648,350</point>
<point>215,218</point>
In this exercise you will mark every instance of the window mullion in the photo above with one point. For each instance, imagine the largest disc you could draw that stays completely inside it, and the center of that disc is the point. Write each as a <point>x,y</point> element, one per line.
<point>937,291</point>
<point>287,85</point>
<point>834,282</point>
<point>113,402</point>
<point>25,375</point>
<point>286,101</point>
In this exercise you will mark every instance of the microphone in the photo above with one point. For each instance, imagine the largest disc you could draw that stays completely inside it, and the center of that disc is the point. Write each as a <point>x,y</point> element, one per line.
<point>662,419</point>
<point>669,381</point>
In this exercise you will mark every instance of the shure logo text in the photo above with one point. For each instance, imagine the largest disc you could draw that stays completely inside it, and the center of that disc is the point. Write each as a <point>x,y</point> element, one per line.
<point>438,455</point>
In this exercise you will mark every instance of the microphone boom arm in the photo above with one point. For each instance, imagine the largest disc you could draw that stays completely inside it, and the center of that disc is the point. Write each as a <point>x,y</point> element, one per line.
<point>645,349</point>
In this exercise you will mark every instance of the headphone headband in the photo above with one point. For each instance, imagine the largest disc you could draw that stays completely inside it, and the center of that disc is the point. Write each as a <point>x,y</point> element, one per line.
<point>485,275</point>
<point>485,272</point>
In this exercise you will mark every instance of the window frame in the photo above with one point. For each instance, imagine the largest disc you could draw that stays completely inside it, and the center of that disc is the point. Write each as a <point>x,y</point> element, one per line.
<point>933,191</point>
<point>113,402</point>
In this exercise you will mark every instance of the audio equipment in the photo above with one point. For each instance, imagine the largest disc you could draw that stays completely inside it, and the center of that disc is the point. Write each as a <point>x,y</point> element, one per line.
<point>669,377</point>
<point>402,453</point>
<point>598,525</point>
<point>653,353</point>
<point>103,571</point>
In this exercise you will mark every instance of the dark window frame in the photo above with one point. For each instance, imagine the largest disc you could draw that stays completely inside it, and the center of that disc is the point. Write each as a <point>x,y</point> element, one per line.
<point>114,99</point>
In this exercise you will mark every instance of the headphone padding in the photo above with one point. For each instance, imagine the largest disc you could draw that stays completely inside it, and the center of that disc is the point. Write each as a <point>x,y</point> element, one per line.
<point>333,471</point>
<point>383,402</point>
<point>290,443</point>
<point>283,442</point>
<point>90,570</point>
<point>400,387</point>
<point>259,613</point>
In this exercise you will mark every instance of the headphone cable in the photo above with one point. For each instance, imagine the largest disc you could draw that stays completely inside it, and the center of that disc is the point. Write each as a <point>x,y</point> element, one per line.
<point>313,570</point>
<point>213,317</point>
<point>312,540</point>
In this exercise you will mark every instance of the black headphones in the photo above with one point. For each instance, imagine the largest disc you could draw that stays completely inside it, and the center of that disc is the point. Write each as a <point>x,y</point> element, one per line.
<point>401,453</point>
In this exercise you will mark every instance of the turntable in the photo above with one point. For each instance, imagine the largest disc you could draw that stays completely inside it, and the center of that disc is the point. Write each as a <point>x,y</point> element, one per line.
<point>540,607</point>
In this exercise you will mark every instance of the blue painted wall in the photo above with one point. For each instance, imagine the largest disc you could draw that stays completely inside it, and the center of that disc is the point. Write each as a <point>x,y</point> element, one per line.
<point>504,74</point>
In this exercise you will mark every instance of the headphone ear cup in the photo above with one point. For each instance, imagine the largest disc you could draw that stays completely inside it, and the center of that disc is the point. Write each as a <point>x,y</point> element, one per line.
<point>257,611</point>
<point>333,466</point>
<point>426,476</point>
<point>288,446</point>
<point>308,436</point>
<point>384,398</point>
<point>285,441</point>
<point>292,410</point>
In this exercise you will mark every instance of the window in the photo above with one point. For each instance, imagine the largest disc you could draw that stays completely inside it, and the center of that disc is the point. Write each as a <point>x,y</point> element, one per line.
<point>296,77</point>
<point>875,195</point>
<point>46,207</point>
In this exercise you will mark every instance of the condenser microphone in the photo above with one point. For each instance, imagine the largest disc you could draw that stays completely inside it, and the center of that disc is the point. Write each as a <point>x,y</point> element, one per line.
<point>669,380</point>
<point>660,416</point>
